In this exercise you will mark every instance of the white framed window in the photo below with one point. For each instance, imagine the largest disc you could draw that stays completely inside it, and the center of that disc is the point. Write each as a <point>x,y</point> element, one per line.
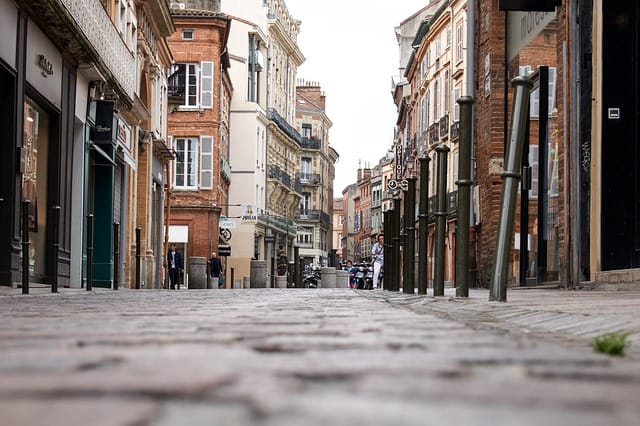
<point>533,163</point>
<point>186,163</point>
<point>192,84</point>
<point>456,106</point>
<point>459,40</point>
<point>206,162</point>
<point>534,100</point>
<point>188,34</point>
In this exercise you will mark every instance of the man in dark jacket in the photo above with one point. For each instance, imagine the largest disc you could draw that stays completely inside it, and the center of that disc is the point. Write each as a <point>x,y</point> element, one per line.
<point>215,268</point>
<point>175,266</point>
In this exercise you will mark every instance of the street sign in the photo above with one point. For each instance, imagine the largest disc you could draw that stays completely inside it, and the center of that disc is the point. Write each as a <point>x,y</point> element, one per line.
<point>269,238</point>
<point>224,250</point>
<point>225,223</point>
<point>393,184</point>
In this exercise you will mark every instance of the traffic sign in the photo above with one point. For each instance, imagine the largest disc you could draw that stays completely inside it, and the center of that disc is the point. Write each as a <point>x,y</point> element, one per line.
<point>224,250</point>
<point>225,223</point>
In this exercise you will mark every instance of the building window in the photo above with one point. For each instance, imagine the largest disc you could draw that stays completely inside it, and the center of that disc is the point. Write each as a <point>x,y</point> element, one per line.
<point>534,101</point>
<point>186,164</point>
<point>191,85</point>
<point>459,37</point>
<point>305,169</point>
<point>306,131</point>
<point>187,34</point>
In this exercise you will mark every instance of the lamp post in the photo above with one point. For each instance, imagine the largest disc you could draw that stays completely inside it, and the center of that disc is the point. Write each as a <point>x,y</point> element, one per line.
<point>408,258</point>
<point>423,232</point>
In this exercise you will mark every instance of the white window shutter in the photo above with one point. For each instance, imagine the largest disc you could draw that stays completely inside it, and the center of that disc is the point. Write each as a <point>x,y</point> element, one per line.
<point>206,84</point>
<point>553,75</point>
<point>206,162</point>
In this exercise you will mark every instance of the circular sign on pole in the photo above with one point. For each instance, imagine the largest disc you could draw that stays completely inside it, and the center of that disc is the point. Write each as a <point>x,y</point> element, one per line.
<point>392,184</point>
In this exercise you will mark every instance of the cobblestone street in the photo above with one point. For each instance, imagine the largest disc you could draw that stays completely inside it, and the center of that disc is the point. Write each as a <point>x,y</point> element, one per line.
<point>300,357</point>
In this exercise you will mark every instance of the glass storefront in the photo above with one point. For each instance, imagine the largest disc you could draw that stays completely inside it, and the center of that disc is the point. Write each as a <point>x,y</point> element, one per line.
<point>34,181</point>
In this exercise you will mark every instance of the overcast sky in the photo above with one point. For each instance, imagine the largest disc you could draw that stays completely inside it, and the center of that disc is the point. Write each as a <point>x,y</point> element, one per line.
<point>351,50</point>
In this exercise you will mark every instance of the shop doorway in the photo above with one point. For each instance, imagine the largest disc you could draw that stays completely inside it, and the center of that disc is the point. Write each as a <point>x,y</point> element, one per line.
<point>35,180</point>
<point>620,218</point>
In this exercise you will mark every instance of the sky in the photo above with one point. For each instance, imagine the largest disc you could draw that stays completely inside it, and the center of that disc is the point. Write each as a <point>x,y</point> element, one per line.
<point>351,50</point>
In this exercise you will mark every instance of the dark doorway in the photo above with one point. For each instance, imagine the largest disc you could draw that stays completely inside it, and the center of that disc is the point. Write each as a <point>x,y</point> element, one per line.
<point>620,219</point>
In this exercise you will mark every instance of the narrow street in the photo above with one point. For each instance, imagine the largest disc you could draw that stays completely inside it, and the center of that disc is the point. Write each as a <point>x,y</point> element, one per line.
<point>296,357</point>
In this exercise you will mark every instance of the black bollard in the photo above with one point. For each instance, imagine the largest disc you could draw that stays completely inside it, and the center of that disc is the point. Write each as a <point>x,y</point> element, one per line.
<point>511,178</point>
<point>409,255</point>
<point>55,247</point>
<point>25,246</point>
<point>138,263</point>
<point>386,229</point>
<point>233,273</point>
<point>464,182</point>
<point>423,226</point>
<point>116,255</point>
<point>397,243</point>
<point>89,252</point>
<point>441,218</point>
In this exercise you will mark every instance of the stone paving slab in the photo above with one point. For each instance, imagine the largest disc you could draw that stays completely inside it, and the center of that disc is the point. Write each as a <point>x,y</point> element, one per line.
<point>302,357</point>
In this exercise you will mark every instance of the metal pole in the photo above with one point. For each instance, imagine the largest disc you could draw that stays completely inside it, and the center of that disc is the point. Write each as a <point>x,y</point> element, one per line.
<point>386,219</point>
<point>423,231</point>
<point>116,255</point>
<point>138,231</point>
<point>233,276</point>
<point>395,267</point>
<point>89,252</point>
<point>297,281</point>
<point>441,217</point>
<point>464,182</point>
<point>55,247</point>
<point>543,200</point>
<point>25,246</point>
<point>511,177</point>
<point>409,258</point>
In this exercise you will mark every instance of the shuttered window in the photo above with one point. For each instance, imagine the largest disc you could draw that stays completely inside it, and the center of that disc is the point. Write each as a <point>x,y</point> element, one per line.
<point>206,162</point>
<point>206,84</point>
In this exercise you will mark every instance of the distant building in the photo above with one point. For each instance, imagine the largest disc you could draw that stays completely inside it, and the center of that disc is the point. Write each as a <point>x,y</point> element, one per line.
<point>316,172</point>
<point>200,93</point>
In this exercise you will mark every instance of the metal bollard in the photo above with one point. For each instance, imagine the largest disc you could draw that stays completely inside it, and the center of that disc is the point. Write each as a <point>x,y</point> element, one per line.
<point>441,217</point>
<point>464,182</point>
<point>397,242</point>
<point>138,263</point>
<point>386,229</point>
<point>25,246</point>
<point>233,273</point>
<point>55,247</point>
<point>116,255</point>
<point>89,285</point>
<point>299,280</point>
<point>511,178</point>
<point>423,226</point>
<point>409,257</point>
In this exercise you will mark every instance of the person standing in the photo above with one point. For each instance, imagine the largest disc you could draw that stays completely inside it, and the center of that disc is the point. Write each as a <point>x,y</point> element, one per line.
<point>175,265</point>
<point>377,253</point>
<point>215,268</point>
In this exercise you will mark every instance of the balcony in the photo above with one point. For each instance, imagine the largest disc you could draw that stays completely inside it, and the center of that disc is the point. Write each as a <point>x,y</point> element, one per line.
<point>455,131</point>
<point>309,178</point>
<point>311,143</point>
<point>444,126</point>
<point>83,27</point>
<point>452,201</point>
<point>282,124</point>
<point>280,175</point>
<point>434,134</point>
<point>313,215</point>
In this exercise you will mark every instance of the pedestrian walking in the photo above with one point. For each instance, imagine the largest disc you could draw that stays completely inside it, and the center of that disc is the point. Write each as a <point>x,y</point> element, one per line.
<point>377,254</point>
<point>216,269</point>
<point>175,265</point>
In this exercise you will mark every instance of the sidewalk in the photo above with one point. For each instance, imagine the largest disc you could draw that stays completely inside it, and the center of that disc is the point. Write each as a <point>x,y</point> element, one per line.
<point>574,315</point>
<point>306,357</point>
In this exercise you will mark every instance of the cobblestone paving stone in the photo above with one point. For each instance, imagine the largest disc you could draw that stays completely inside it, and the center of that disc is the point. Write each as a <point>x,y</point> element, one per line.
<point>305,357</point>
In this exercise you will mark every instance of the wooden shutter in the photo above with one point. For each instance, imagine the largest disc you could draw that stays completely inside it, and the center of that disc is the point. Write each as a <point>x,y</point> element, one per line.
<point>206,85</point>
<point>206,162</point>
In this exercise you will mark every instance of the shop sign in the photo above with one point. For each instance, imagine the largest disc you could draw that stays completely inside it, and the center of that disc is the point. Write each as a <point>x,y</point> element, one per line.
<point>46,65</point>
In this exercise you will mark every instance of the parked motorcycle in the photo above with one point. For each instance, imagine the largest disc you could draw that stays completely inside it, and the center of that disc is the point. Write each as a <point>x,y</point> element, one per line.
<point>311,277</point>
<point>364,276</point>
